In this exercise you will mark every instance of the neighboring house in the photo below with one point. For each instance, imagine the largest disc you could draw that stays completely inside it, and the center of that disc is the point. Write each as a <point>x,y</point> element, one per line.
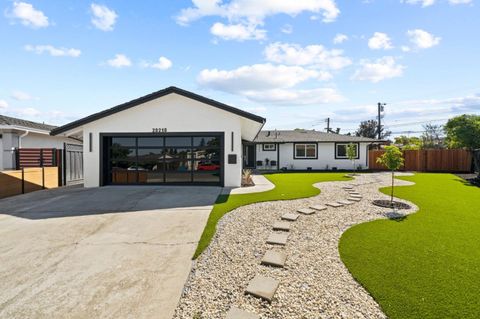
<point>174,136</point>
<point>17,133</point>
<point>305,150</point>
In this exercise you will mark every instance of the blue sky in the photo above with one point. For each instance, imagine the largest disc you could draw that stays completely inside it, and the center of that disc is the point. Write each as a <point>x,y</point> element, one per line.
<point>295,62</point>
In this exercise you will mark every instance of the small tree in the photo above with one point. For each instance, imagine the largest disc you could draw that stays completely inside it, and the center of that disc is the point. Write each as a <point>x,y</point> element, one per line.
<point>393,160</point>
<point>352,154</point>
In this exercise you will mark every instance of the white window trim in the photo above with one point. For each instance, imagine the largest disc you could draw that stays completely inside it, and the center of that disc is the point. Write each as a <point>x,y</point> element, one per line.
<point>305,147</point>
<point>269,147</point>
<point>346,144</point>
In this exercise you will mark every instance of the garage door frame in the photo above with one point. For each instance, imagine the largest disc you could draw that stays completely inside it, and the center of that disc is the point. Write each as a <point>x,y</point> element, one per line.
<point>221,135</point>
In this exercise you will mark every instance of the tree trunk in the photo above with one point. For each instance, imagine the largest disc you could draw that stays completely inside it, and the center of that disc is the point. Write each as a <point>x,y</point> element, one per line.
<point>391,192</point>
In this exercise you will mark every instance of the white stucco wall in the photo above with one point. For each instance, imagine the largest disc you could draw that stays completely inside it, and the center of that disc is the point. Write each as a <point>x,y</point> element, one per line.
<point>175,113</point>
<point>326,156</point>
<point>35,140</point>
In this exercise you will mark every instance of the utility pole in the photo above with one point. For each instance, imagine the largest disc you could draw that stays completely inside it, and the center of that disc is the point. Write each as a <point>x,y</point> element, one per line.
<point>328,124</point>
<point>381,108</point>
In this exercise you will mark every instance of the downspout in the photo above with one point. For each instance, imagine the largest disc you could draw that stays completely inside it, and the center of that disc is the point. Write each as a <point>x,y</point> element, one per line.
<point>20,138</point>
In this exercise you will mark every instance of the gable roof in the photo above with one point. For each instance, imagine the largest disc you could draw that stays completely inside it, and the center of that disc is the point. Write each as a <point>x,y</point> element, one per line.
<point>291,136</point>
<point>153,96</point>
<point>12,121</point>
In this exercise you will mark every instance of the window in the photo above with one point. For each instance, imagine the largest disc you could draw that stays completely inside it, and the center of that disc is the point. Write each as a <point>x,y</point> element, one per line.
<point>341,150</point>
<point>305,151</point>
<point>269,147</point>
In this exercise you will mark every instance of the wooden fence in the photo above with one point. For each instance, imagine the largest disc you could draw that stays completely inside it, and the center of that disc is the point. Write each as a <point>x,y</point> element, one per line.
<point>428,160</point>
<point>27,180</point>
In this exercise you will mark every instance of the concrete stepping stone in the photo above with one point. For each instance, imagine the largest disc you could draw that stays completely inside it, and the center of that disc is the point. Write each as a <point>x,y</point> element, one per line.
<point>344,202</point>
<point>354,199</point>
<point>334,204</point>
<point>347,187</point>
<point>262,287</point>
<point>356,195</point>
<point>306,211</point>
<point>318,207</point>
<point>284,226</point>
<point>290,217</point>
<point>277,239</point>
<point>235,313</point>
<point>274,258</point>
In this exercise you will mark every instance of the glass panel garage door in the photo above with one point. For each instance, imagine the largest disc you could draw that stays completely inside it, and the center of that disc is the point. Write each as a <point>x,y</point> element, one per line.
<point>162,159</point>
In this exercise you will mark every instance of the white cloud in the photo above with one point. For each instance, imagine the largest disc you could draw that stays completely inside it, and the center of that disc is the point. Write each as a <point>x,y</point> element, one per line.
<point>269,83</point>
<point>28,15</point>
<point>239,32</point>
<point>422,39</point>
<point>340,38</point>
<point>296,97</point>
<point>380,40</point>
<point>424,3</point>
<point>120,61</point>
<point>162,64</point>
<point>287,29</point>
<point>455,2</point>
<point>21,96</point>
<point>103,18</point>
<point>3,104</point>
<point>379,70</point>
<point>53,51</point>
<point>28,111</point>
<point>405,48</point>
<point>428,3</point>
<point>313,55</point>
<point>250,12</point>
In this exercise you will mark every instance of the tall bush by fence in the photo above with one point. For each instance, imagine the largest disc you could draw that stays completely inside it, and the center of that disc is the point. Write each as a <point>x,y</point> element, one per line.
<point>456,160</point>
<point>27,180</point>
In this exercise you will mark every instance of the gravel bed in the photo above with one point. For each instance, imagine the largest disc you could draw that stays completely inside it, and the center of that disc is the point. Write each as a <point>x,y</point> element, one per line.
<point>314,284</point>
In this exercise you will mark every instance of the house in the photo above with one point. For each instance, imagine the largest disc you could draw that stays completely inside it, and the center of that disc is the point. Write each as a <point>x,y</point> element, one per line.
<point>17,133</point>
<point>171,136</point>
<point>305,150</point>
<point>174,136</point>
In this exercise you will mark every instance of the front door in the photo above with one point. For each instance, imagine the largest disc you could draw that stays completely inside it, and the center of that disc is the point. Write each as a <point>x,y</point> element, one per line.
<point>249,156</point>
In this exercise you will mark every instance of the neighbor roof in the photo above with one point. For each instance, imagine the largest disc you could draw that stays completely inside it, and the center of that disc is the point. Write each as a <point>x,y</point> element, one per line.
<point>274,136</point>
<point>12,121</point>
<point>153,96</point>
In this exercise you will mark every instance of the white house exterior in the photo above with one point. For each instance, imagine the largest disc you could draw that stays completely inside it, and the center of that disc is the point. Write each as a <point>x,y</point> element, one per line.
<point>305,150</point>
<point>18,133</point>
<point>168,137</point>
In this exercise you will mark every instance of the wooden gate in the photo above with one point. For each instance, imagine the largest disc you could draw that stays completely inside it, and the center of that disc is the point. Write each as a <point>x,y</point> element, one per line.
<point>72,164</point>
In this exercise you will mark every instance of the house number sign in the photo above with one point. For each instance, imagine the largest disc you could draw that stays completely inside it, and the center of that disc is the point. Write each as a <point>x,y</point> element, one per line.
<point>159,130</point>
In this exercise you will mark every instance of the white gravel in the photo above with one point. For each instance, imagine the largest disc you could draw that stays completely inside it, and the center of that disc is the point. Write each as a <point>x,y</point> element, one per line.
<point>314,284</point>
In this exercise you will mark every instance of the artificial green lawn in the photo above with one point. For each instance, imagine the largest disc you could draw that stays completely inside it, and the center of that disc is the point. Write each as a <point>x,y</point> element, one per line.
<point>428,264</point>
<point>287,186</point>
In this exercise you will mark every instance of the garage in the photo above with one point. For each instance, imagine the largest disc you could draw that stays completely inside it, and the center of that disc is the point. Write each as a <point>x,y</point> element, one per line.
<point>168,137</point>
<point>162,159</point>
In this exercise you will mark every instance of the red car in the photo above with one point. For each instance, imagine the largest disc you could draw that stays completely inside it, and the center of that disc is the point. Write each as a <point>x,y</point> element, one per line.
<point>208,166</point>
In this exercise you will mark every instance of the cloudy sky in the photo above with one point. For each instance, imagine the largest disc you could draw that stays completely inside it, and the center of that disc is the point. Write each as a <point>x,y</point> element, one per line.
<point>295,62</point>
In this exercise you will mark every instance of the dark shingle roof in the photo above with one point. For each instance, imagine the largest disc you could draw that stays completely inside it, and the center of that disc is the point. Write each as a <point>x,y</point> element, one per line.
<point>275,136</point>
<point>7,120</point>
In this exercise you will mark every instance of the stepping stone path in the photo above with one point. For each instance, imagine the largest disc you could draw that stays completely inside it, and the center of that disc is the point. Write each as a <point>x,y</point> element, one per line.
<point>277,239</point>
<point>334,204</point>
<point>354,199</point>
<point>318,207</point>
<point>235,313</point>
<point>356,195</point>
<point>285,226</point>
<point>274,258</point>
<point>262,287</point>
<point>306,211</point>
<point>344,202</point>
<point>290,217</point>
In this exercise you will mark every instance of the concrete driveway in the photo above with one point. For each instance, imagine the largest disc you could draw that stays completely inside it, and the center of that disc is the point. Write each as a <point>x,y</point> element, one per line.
<point>111,252</point>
